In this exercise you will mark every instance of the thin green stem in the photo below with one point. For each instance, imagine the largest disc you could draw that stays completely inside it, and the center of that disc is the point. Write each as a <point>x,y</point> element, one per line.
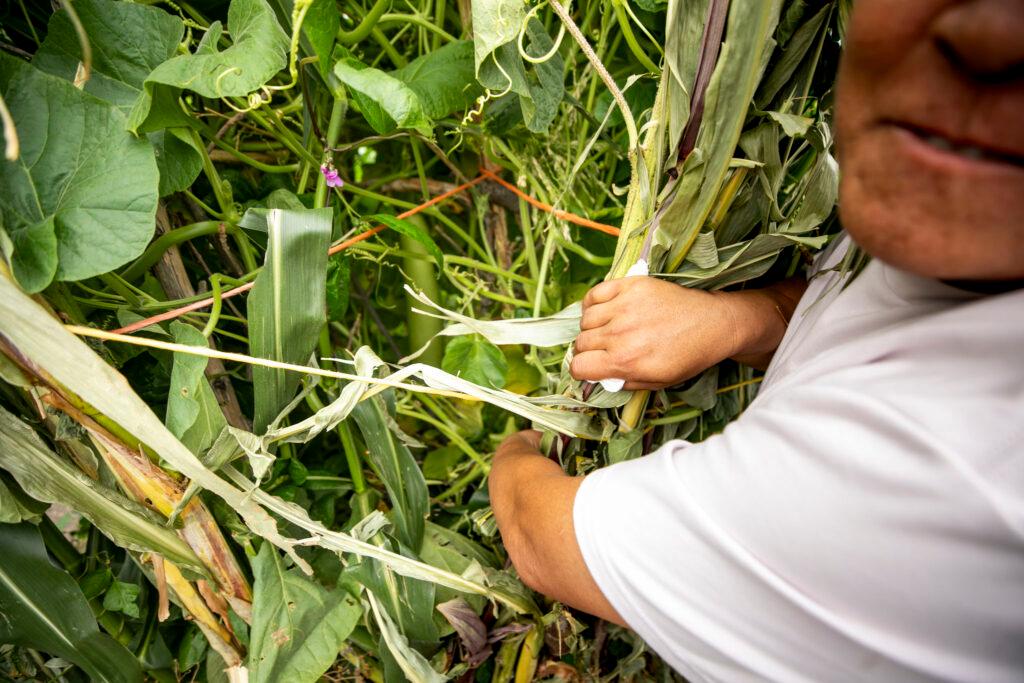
<point>449,434</point>
<point>449,258</point>
<point>420,21</point>
<point>365,26</point>
<point>627,32</point>
<point>249,161</point>
<point>170,239</point>
<point>221,189</point>
<point>338,109</point>
<point>394,55</point>
<point>211,324</point>
<point>545,263</point>
<point>461,483</point>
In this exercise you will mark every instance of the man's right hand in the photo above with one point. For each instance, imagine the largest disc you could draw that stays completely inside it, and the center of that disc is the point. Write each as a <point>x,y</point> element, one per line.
<point>654,333</point>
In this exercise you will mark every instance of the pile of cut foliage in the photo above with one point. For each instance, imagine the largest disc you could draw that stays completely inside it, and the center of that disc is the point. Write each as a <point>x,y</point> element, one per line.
<point>251,376</point>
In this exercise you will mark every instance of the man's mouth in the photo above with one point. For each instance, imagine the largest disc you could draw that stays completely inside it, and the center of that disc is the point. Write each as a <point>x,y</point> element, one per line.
<point>966,150</point>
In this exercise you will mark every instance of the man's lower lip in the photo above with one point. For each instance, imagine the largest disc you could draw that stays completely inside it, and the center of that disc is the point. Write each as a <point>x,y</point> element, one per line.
<point>931,155</point>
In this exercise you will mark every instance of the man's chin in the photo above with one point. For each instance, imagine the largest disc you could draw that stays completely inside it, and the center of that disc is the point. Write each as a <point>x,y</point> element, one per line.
<point>928,223</point>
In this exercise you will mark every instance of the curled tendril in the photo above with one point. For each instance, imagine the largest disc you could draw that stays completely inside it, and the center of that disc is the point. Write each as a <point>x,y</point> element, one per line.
<point>222,75</point>
<point>522,32</point>
<point>254,100</point>
<point>488,95</point>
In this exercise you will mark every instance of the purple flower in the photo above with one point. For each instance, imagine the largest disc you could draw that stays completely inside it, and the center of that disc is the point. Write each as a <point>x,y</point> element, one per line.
<point>331,176</point>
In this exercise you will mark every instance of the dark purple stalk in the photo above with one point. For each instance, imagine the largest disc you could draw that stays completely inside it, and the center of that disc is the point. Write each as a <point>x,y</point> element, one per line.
<point>710,46</point>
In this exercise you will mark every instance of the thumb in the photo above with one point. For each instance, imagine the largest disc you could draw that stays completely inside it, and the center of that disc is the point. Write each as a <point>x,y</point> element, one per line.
<point>593,366</point>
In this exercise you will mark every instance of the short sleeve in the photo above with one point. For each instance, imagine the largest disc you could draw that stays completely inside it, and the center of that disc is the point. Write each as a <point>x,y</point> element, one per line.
<point>822,536</point>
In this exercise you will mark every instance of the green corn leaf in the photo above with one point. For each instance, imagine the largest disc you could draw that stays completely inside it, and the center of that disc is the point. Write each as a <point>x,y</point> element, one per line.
<point>258,51</point>
<point>554,330</point>
<point>409,602</point>
<point>42,607</point>
<point>47,477</point>
<point>287,306</point>
<point>394,464</point>
<point>44,342</point>
<point>749,31</point>
<point>298,627</point>
<point>81,199</point>
<point>414,665</point>
<point>793,57</point>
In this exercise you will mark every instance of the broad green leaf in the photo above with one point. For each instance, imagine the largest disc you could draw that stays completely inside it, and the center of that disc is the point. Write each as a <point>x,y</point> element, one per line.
<point>495,22</point>
<point>410,229</point>
<point>128,41</point>
<point>538,85</point>
<point>13,508</point>
<point>81,199</point>
<point>397,469</point>
<point>193,414</point>
<point>477,360</point>
<point>42,607</point>
<point>122,597</point>
<point>287,308</point>
<point>258,50</point>
<point>440,461</point>
<point>450,550</point>
<point>47,477</point>
<point>298,627</point>
<point>191,649</point>
<point>400,104</point>
<point>319,28</point>
<point>176,157</point>
<point>625,446</point>
<point>443,79</point>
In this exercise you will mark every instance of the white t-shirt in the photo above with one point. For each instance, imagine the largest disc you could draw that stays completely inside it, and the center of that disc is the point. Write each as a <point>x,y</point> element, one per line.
<point>863,519</point>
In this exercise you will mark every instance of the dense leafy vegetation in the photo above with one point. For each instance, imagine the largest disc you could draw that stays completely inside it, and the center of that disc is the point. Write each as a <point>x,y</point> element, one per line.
<point>279,275</point>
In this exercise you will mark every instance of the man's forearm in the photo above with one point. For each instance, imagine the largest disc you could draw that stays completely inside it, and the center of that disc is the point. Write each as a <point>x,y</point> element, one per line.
<point>761,317</point>
<point>532,499</point>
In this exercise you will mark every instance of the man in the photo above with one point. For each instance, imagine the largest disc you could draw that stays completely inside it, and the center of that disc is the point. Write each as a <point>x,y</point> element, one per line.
<point>864,518</point>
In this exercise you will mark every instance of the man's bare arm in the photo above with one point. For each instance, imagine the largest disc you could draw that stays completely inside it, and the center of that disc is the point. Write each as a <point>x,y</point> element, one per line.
<point>532,500</point>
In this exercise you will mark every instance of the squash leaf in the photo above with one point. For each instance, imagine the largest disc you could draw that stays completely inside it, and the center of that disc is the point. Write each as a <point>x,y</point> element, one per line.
<point>81,198</point>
